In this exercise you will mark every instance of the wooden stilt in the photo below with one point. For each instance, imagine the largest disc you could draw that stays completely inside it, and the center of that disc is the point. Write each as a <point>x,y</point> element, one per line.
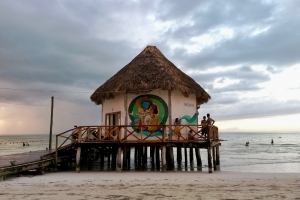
<point>217,157</point>
<point>78,159</point>
<point>214,157</point>
<point>152,149</point>
<point>128,157</point>
<point>102,157</point>
<point>125,157</point>
<point>199,161</point>
<point>157,158</point>
<point>145,156</point>
<point>179,157</point>
<point>163,158</point>
<point>192,158</point>
<point>108,157</point>
<point>140,153</point>
<point>135,155</point>
<point>185,158</point>
<point>89,163</point>
<point>119,158</point>
<point>171,153</point>
<point>209,159</point>
<point>114,157</point>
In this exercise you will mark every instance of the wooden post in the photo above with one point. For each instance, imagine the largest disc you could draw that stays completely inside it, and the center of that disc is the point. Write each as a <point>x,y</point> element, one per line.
<point>157,160</point>
<point>78,159</point>
<point>152,149</point>
<point>209,159</point>
<point>217,157</point>
<point>185,157</point>
<point>102,152</point>
<point>108,157</point>
<point>192,158</point>
<point>135,155</point>
<point>125,157</point>
<point>199,161</point>
<point>51,123</point>
<point>214,157</point>
<point>128,157</point>
<point>119,159</point>
<point>114,157</point>
<point>163,158</point>
<point>140,153</point>
<point>179,157</point>
<point>171,153</point>
<point>145,154</point>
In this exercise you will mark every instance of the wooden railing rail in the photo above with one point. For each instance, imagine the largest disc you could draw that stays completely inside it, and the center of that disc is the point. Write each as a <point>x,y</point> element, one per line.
<point>125,133</point>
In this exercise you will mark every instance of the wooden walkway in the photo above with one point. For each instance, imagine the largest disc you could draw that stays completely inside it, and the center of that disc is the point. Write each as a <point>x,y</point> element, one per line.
<point>22,158</point>
<point>15,163</point>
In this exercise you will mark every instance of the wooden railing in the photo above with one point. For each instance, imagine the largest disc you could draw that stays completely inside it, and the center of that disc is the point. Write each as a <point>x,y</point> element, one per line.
<point>125,133</point>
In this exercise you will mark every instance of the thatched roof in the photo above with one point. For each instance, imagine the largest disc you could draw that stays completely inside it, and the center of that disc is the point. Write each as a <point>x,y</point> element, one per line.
<point>148,71</point>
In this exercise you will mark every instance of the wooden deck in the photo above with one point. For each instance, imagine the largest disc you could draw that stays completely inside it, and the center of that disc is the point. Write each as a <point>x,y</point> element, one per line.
<point>116,139</point>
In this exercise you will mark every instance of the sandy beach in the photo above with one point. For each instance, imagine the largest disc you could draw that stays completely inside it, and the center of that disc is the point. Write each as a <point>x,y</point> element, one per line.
<point>152,185</point>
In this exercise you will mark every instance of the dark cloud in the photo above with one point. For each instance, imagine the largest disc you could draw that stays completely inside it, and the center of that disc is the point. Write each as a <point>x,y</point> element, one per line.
<point>67,49</point>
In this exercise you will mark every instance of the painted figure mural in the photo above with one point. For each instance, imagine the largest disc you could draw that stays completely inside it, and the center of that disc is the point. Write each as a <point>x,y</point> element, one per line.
<point>147,113</point>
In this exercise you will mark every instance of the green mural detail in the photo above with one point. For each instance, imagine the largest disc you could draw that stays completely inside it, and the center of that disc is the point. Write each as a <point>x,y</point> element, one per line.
<point>147,113</point>
<point>190,120</point>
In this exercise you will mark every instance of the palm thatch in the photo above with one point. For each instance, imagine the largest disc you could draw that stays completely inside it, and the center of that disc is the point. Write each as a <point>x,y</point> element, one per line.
<point>148,71</point>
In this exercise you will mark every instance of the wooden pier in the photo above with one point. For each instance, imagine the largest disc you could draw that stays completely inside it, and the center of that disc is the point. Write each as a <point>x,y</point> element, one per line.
<point>113,144</point>
<point>33,160</point>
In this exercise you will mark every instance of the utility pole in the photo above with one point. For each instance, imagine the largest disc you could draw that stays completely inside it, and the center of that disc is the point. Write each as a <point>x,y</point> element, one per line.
<point>51,124</point>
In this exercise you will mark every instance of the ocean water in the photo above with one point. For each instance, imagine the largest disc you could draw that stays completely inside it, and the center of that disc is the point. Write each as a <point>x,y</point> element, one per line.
<point>259,156</point>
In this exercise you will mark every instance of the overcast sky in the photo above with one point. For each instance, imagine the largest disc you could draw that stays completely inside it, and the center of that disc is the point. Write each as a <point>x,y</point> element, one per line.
<point>245,54</point>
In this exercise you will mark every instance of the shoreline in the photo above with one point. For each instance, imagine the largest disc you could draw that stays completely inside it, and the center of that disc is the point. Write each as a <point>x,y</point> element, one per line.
<point>153,185</point>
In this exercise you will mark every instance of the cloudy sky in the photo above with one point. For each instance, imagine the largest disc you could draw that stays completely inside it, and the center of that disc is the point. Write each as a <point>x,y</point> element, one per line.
<point>246,54</point>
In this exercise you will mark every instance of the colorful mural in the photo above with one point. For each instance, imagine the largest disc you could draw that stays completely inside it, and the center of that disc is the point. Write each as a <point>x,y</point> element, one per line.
<point>147,113</point>
<point>188,119</point>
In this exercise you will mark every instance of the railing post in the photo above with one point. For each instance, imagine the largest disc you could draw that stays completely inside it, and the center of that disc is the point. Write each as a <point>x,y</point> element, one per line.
<point>79,134</point>
<point>164,133</point>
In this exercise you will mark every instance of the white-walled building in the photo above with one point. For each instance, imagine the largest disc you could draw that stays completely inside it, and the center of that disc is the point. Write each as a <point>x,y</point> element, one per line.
<point>149,92</point>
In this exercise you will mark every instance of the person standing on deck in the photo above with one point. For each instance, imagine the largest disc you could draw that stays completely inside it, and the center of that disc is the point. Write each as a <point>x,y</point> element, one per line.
<point>209,120</point>
<point>203,124</point>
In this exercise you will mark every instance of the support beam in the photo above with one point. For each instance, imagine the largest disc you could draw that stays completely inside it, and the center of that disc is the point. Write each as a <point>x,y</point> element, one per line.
<point>179,157</point>
<point>78,153</point>
<point>163,158</point>
<point>157,158</point>
<point>119,159</point>
<point>217,157</point>
<point>214,157</point>
<point>209,159</point>
<point>199,161</point>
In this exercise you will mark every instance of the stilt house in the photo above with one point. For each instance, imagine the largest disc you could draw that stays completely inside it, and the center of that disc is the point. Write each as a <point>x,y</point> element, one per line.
<point>148,92</point>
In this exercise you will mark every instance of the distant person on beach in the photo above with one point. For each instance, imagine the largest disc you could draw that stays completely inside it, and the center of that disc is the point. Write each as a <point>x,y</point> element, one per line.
<point>203,124</point>
<point>23,144</point>
<point>272,142</point>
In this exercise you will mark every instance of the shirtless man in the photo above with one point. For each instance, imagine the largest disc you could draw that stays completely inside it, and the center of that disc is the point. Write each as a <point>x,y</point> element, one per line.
<point>209,120</point>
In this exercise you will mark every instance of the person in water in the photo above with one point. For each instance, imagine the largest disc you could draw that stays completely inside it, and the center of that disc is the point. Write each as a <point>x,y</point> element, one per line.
<point>272,142</point>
